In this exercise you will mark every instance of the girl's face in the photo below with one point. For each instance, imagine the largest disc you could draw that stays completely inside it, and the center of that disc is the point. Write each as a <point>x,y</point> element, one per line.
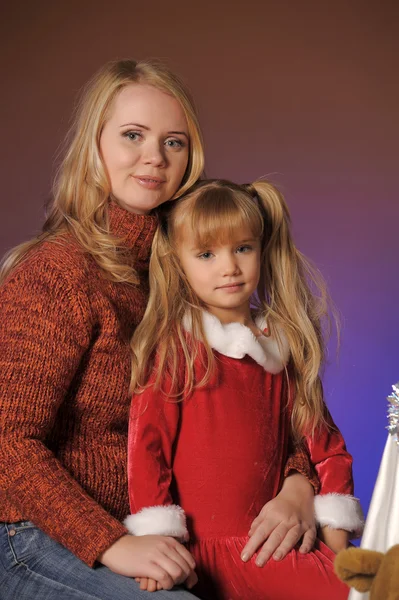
<point>145,147</point>
<point>223,276</point>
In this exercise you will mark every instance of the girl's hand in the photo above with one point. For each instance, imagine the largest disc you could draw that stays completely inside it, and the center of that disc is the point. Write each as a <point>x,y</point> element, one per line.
<point>283,521</point>
<point>157,557</point>
<point>148,585</point>
<point>335,539</point>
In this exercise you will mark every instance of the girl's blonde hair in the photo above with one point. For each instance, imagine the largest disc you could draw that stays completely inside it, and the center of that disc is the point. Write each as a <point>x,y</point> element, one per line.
<point>291,294</point>
<point>81,188</point>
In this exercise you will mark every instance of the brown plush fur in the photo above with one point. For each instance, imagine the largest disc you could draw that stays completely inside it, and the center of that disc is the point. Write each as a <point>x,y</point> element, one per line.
<point>369,570</point>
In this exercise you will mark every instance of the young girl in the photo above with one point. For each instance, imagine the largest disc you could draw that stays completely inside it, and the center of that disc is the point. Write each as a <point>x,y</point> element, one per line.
<point>226,376</point>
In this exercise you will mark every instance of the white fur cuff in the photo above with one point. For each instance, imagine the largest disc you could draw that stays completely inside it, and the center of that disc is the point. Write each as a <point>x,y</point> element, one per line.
<point>159,520</point>
<point>339,511</point>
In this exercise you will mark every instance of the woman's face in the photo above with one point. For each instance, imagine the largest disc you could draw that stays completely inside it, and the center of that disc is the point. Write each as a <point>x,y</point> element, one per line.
<point>145,147</point>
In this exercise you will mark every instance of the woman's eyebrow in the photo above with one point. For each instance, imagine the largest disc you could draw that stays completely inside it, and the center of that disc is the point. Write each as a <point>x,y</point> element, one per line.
<point>148,129</point>
<point>178,133</point>
<point>135,125</point>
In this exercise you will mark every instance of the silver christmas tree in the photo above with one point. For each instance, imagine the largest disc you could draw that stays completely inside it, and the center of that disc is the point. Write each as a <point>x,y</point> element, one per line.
<point>393,413</point>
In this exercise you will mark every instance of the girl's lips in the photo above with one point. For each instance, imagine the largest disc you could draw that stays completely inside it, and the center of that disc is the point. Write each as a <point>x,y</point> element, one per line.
<point>231,287</point>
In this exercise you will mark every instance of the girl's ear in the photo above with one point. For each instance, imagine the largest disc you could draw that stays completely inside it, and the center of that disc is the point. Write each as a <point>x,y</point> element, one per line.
<point>357,567</point>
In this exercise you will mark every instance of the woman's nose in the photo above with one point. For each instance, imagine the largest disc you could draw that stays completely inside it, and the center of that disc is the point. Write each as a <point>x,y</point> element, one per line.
<point>154,154</point>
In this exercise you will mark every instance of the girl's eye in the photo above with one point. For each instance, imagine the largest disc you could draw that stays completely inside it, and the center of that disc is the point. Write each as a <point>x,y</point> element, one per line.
<point>242,249</point>
<point>174,143</point>
<point>205,255</point>
<point>132,135</point>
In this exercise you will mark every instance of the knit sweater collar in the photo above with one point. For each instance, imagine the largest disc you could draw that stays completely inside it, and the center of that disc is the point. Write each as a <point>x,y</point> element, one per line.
<point>136,232</point>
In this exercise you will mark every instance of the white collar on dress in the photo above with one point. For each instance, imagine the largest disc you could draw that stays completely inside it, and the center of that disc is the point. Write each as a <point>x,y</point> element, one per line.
<point>236,340</point>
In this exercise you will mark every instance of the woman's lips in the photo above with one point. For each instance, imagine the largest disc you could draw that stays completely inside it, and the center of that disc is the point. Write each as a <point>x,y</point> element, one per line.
<point>150,183</point>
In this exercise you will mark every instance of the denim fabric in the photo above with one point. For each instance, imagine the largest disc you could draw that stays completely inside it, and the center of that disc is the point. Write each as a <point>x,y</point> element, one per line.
<point>35,567</point>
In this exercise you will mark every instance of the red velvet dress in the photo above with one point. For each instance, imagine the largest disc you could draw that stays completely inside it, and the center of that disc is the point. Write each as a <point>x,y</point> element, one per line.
<point>220,455</point>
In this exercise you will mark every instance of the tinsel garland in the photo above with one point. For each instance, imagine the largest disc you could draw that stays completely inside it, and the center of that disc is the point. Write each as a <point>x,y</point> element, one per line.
<point>393,413</point>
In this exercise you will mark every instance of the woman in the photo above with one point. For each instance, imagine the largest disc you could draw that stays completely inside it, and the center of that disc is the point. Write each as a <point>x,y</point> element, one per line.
<point>69,303</point>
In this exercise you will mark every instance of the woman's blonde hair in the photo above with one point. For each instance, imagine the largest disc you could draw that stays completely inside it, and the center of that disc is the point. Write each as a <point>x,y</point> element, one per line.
<point>291,294</point>
<point>81,188</point>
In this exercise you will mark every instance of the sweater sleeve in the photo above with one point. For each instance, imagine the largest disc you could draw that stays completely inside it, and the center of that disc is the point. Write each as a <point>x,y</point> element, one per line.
<point>153,427</point>
<point>45,331</point>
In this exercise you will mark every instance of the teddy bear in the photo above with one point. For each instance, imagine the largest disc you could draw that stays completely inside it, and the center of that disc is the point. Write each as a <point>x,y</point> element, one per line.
<point>368,570</point>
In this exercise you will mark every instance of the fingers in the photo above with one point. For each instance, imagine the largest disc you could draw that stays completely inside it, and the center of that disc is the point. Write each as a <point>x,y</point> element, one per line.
<point>288,542</point>
<point>308,541</point>
<point>191,580</point>
<point>151,585</point>
<point>167,564</point>
<point>273,542</point>
<point>159,572</point>
<point>254,525</point>
<point>144,582</point>
<point>183,559</point>
<point>185,554</point>
<point>282,540</point>
<point>147,584</point>
<point>175,560</point>
<point>259,535</point>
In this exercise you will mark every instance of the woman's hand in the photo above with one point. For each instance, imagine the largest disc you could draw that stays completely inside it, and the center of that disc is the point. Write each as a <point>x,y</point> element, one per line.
<point>156,557</point>
<point>283,521</point>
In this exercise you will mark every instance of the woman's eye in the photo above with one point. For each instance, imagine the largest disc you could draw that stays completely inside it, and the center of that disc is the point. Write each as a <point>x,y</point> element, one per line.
<point>132,135</point>
<point>205,255</point>
<point>174,143</point>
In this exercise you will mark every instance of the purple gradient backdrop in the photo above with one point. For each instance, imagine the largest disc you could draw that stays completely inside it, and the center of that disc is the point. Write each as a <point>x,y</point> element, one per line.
<point>305,92</point>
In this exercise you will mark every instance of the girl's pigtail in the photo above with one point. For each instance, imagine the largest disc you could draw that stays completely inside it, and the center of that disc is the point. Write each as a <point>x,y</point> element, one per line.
<point>293,295</point>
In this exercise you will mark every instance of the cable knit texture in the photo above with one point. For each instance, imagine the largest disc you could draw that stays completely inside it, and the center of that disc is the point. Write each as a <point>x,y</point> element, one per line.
<point>64,401</point>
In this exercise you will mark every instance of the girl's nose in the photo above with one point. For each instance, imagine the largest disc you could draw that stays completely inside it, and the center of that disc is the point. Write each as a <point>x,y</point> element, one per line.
<point>229,265</point>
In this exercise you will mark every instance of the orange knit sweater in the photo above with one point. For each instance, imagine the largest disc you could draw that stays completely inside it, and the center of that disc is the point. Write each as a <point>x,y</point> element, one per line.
<point>64,378</point>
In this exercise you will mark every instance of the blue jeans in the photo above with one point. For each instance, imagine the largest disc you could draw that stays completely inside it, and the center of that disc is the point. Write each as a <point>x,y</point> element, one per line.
<point>35,567</point>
